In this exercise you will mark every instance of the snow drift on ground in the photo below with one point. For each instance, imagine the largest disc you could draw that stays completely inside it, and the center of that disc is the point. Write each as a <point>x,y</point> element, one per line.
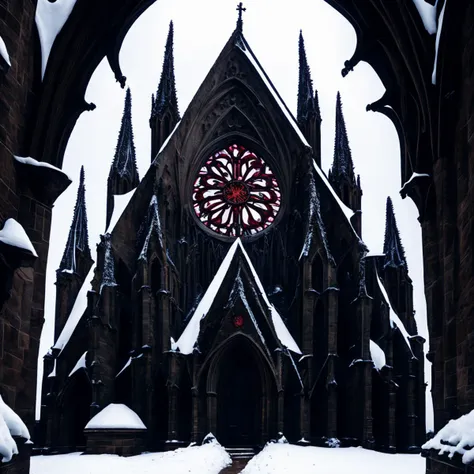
<point>290,459</point>
<point>456,437</point>
<point>210,458</point>
<point>116,416</point>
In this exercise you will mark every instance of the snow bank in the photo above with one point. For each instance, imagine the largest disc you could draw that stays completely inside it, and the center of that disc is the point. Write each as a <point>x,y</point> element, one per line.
<point>27,160</point>
<point>378,355</point>
<point>428,15</point>
<point>116,416</point>
<point>456,437</point>
<point>291,459</point>
<point>76,313</point>
<point>210,458</point>
<point>13,234</point>
<point>10,425</point>
<point>80,364</point>
<point>4,51</point>
<point>50,19</point>
<point>120,203</point>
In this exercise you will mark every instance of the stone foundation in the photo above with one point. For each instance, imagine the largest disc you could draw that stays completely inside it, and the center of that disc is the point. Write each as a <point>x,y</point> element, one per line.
<point>120,442</point>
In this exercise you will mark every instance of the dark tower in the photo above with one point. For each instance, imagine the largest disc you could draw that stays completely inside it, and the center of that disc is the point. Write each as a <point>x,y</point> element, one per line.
<point>164,107</point>
<point>308,114</point>
<point>123,175</point>
<point>76,261</point>
<point>341,175</point>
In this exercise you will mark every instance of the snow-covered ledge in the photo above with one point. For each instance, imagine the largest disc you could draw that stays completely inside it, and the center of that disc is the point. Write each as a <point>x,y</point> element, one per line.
<point>14,235</point>
<point>4,54</point>
<point>115,430</point>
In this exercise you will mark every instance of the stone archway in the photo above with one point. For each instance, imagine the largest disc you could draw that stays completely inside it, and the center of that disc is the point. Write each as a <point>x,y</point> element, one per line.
<point>242,400</point>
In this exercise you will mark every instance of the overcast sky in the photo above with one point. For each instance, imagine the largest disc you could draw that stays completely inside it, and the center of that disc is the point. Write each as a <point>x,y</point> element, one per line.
<point>201,30</point>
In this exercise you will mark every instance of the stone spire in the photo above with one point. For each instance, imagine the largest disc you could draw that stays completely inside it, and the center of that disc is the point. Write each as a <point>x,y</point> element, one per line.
<point>125,164</point>
<point>308,102</point>
<point>78,239</point>
<point>164,106</point>
<point>392,247</point>
<point>123,175</point>
<point>308,115</point>
<point>108,271</point>
<point>342,166</point>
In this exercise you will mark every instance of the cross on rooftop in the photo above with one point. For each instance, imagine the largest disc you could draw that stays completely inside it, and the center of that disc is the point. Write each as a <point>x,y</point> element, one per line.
<point>240,8</point>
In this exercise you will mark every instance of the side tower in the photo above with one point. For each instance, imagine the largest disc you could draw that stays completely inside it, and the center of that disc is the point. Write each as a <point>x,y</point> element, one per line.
<point>308,113</point>
<point>341,175</point>
<point>164,107</point>
<point>123,175</point>
<point>76,261</point>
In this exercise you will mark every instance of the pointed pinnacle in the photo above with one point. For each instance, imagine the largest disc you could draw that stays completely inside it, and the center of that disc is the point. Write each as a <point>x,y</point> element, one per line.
<point>240,8</point>
<point>392,247</point>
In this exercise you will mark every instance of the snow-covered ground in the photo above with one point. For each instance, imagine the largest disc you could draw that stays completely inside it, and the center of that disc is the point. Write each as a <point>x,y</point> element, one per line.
<point>207,459</point>
<point>290,459</point>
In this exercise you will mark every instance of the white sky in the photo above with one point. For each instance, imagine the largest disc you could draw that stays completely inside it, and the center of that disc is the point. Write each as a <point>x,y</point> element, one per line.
<point>201,30</point>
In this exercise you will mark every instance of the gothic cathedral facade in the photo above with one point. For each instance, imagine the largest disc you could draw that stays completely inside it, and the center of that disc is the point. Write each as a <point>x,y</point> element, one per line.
<point>232,292</point>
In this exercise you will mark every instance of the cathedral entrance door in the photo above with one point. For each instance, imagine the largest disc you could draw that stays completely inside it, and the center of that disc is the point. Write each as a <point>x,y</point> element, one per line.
<point>239,411</point>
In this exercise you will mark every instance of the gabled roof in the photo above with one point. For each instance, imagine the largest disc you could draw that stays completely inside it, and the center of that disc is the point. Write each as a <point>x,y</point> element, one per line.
<point>124,163</point>
<point>78,238</point>
<point>190,335</point>
<point>392,246</point>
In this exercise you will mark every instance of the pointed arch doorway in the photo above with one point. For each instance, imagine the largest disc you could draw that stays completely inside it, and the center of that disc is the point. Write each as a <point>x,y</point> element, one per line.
<point>241,381</point>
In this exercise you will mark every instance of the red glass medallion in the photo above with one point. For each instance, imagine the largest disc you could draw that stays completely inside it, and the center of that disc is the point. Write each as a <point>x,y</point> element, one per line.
<point>238,321</point>
<point>236,193</point>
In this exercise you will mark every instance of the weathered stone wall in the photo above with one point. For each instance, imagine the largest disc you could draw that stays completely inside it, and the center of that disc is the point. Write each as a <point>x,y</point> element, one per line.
<point>121,442</point>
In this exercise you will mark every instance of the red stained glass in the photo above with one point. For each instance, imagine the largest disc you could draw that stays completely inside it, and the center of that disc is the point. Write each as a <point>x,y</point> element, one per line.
<point>236,193</point>
<point>238,321</point>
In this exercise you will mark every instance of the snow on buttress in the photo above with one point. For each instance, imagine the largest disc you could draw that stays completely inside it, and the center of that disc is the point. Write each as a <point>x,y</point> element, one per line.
<point>50,19</point>
<point>394,319</point>
<point>120,203</point>
<point>13,234</point>
<point>127,364</point>
<point>80,364</point>
<point>191,333</point>
<point>4,51</point>
<point>378,355</point>
<point>438,37</point>
<point>168,138</point>
<point>116,416</point>
<point>428,15</point>
<point>455,437</point>
<point>413,177</point>
<point>10,425</point>
<point>53,372</point>
<point>27,160</point>
<point>76,313</point>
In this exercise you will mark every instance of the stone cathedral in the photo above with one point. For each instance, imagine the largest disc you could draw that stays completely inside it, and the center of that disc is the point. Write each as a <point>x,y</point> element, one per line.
<point>232,292</point>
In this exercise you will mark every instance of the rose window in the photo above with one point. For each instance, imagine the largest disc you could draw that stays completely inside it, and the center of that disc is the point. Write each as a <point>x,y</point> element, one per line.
<point>236,193</point>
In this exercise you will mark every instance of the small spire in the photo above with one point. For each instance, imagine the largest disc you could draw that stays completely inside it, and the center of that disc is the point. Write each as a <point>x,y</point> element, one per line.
<point>166,94</point>
<point>125,162</point>
<point>308,102</point>
<point>78,238</point>
<point>108,272</point>
<point>342,165</point>
<point>240,8</point>
<point>392,247</point>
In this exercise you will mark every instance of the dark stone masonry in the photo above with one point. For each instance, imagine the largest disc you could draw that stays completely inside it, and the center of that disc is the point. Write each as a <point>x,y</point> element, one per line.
<point>298,260</point>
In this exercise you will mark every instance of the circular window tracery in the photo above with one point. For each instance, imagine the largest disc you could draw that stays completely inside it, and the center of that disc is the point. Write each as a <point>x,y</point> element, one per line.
<point>236,193</point>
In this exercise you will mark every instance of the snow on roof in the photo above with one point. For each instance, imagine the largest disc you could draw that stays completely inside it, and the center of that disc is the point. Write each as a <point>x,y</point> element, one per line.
<point>428,15</point>
<point>27,160</point>
<point>127,364</point>
<point>4,51</point>
<point>375,254</point>
<point>53,372</point>
<point>378,355</point>
<point>13,234</point>
<point>116,416</point>
<point>190,334</point>
<point>120,203</point>
<point>50,18</point>
<point>455,437</point>
<point>394,319</point>
<point>438,37</point>
<point>76,313</point>
<point>244,46</point>
<point>80,364</point>
<point>168,138</point>
<point>13,421</point>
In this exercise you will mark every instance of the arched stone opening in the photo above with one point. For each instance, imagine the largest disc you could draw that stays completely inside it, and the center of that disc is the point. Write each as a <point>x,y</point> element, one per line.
<point>241,394</point>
